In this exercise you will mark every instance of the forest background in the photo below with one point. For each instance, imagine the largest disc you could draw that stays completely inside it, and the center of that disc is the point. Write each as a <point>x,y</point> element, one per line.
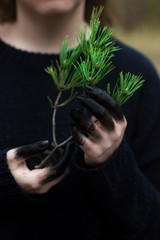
<point>137,23</point>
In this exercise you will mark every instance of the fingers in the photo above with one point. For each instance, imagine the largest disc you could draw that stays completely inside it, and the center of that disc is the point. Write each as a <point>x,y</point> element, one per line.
<point>101,96</point>
<point>84,123</point>
<point>101,105</point>
<point>59,163</point>
<point>98,110</point>
<point>30,150</point>
<point>47,152</point>
<point>106,100</point>
<point>78,136</point>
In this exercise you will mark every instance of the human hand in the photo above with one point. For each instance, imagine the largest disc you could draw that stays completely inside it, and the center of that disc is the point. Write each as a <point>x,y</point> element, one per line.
<point>36,181</point>
<point>100,135</point>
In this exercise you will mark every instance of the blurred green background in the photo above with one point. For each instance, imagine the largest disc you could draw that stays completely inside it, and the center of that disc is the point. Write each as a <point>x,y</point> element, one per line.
<point>137,23</point>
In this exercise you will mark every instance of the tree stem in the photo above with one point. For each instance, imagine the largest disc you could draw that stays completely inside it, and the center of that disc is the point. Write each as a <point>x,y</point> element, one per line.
<point>54,117</point>
<point>50,155</point>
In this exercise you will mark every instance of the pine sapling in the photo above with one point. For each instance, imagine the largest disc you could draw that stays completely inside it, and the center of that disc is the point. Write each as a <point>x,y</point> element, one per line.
<point>87,64</point>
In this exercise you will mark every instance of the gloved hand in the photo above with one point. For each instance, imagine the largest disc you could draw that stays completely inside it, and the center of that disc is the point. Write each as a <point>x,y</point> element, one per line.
<point>100,135</point>
<point>38,181</point>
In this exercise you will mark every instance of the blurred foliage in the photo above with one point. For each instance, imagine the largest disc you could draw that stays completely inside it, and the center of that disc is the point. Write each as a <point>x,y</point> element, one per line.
<point>137,24</point>
<point>134,13</point>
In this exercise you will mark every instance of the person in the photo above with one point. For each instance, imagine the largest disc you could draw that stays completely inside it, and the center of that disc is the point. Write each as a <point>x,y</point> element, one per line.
<point>112,184</point>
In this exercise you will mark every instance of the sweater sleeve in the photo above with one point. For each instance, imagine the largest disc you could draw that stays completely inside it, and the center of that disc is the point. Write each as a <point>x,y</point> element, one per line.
<point>123,195</point>
<point>11,194</point>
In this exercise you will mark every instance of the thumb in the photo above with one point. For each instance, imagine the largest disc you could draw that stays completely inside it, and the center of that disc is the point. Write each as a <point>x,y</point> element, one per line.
<point>27,151</point>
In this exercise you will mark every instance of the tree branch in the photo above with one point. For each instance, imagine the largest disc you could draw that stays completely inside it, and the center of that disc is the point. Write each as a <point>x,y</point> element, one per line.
<point>51,154</point>
<point>54,117</point>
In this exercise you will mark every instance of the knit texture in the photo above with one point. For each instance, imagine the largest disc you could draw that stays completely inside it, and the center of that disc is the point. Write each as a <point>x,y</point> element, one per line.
<point>120,197</point>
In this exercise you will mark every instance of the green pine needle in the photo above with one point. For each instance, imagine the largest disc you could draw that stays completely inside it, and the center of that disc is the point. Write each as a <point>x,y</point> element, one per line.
<point>90,62</point>
<point>125,87</point>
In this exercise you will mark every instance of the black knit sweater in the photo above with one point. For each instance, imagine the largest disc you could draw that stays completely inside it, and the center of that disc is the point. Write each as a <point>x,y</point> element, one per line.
<point>121,197</point>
